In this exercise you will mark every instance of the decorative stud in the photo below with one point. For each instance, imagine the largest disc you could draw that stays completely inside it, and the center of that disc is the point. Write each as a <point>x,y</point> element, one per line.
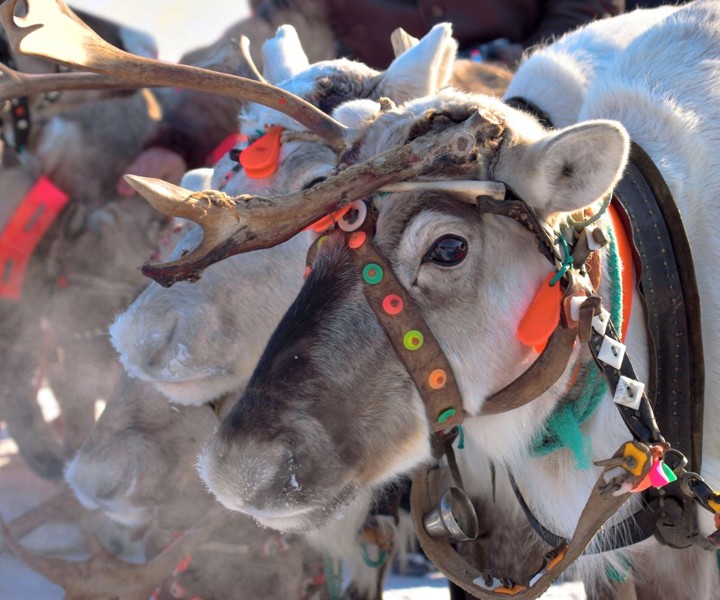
<point>629,392</point>
<point>437,380</point>
<point>393,304</point>
<point>356,239</point>
<point>372,273</point>
<point>600,322</point>
<point>413,340</point>
<point>354,217</point>
<point>612,352</point>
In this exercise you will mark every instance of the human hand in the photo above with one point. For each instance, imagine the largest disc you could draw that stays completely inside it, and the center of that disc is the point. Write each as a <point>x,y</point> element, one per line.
<point>157,162</point>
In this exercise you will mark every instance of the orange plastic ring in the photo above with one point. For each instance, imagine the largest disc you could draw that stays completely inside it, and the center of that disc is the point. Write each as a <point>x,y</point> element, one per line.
<point>437,379</point>
<point>357,239</point>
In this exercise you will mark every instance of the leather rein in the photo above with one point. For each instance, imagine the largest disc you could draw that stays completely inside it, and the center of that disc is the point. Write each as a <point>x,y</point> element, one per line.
<point>646,458</point>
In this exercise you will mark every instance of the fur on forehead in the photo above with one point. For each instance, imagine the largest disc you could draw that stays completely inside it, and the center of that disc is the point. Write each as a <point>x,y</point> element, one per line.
<point>330,81</point>
<point>378,131</point>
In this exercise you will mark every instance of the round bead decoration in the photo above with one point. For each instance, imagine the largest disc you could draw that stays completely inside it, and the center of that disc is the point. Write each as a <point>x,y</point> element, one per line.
<point>354,217</point>
<point>413,340</point>
<point>372,273</point>
<point>437,379</point>
<point>356,239</point>
<point>393,304</point>
<point>446,414</point>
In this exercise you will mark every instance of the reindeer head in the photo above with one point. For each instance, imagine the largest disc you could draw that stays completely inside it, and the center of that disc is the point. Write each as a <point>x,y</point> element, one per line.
<point>137,464</point>
<point>330,408</point>
<point>197,341</point>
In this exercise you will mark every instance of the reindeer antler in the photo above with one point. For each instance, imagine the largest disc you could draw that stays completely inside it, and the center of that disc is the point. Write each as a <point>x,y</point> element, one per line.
<point>106,577</point>
<point>50,30</point>
<point>62,505</point>
<point>245,223</point>
<point>14,84</point>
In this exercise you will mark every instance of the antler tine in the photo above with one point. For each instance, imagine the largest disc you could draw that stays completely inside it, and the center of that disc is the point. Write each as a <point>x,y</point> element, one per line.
<point>14,84</point>
<point>106,577</point>
<point>402,41</point>
<point>245,223</point>
<point>48,21</point>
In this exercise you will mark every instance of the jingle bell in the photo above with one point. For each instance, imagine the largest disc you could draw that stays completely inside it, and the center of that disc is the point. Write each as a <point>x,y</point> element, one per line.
<point>454,517</point>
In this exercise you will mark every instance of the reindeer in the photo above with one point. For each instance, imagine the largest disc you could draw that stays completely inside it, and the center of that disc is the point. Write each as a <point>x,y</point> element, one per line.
<point>330,377</point>
<point>344,186</point>
<point>137,467</point>
<point>68,298</point>
<point>182,373</point>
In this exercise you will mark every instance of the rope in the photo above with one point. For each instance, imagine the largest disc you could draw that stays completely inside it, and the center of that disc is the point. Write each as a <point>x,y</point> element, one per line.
<point>562,429</point>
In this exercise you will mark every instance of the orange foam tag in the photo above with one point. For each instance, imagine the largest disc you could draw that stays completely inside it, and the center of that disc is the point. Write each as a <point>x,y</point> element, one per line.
<point>542,315</point>
<point>260,159</point>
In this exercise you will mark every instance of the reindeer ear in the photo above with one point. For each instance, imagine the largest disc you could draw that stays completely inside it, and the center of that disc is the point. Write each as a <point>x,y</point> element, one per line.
<point>283,55</point>
<point>422,69</point>
<point>570,169</point>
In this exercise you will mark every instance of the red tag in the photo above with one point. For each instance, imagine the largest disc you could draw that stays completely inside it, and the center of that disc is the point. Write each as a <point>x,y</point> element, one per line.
<point>223,148</point>
<point>23,232</point>
<point>260,159</point>
<point>542,315</point>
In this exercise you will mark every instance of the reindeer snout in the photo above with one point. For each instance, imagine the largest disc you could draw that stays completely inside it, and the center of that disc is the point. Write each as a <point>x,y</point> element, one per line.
<point>144,346</point>
<point>246,475</point>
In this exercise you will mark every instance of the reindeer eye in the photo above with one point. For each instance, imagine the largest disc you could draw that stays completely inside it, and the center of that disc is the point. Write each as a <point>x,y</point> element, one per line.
<point>315,181</point>
<point>447,251</point>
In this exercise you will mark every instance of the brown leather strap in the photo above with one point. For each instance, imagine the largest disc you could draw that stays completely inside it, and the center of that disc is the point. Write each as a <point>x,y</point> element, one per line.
<point>543,373</point>
<point>410,336</point>
<point>601,505</point>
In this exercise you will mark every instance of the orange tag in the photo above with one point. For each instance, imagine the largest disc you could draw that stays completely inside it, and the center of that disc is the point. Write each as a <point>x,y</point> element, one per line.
<point>542,315</point>
<point>260,159</point>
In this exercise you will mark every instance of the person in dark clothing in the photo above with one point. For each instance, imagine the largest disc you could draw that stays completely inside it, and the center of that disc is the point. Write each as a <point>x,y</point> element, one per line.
<point>363,28</point>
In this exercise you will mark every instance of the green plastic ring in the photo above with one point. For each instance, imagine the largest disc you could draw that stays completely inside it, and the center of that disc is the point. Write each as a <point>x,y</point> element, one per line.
<point>446,414</point>
<point>413,340</point>
<point>372,273</point>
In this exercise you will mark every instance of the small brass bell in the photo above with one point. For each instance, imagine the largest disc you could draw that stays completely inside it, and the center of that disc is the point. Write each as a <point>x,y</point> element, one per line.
<point>454,517</point>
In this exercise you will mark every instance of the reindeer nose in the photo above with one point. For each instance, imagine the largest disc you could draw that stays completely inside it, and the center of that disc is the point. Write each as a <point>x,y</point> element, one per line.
<point>246,473</point>
<point>143,344</point>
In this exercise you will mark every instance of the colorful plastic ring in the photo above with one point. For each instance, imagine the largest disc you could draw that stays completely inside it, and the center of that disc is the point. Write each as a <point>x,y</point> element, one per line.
<point>393,304</point>
<point>372,273</point>
<point>446,414</point>
<point>437,379</point>
<point>354,217</point>
<point>413,340</point>
<point>321,241</point>
<point>357,239</point>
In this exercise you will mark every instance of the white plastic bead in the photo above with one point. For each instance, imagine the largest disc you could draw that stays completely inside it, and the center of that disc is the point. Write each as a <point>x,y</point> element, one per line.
<point>600,322</point>
<point>354,217</point>
<point>575,304</point>
<point>592,244</point>
<point>612,352</point>
<point>629,392</point>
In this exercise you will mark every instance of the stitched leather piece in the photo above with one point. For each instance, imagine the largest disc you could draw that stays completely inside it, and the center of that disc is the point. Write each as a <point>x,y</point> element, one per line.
<point>428,357</point>
<point>669,288</point>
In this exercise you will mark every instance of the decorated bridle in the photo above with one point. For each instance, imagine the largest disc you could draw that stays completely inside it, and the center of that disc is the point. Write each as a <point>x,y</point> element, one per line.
<point>647,460</point>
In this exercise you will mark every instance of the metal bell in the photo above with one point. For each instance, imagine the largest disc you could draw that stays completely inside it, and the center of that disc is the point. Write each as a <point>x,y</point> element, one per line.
<point>454,517</point>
